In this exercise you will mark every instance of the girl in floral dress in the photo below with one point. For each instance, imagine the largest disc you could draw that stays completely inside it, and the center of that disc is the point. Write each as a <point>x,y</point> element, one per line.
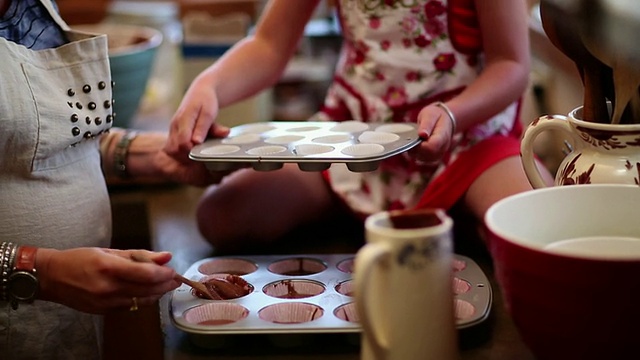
<point>458,68</point>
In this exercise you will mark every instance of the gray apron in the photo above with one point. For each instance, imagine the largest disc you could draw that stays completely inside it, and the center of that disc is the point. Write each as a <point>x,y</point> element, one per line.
<point>54,105</point>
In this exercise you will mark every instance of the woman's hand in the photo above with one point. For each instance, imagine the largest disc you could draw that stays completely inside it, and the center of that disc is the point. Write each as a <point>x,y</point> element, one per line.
<point>147,158</point>
<point>96,280</point>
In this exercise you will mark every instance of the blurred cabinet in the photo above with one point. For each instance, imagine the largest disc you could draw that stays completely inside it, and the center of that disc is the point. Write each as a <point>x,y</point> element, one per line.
<point>83,11</point>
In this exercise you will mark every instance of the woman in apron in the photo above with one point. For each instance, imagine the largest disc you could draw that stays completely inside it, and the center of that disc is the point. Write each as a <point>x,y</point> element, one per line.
<point>56,138</point>
<point>458,68</point>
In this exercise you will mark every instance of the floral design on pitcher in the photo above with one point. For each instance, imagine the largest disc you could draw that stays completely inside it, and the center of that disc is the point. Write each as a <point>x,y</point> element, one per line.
<point>417,257</point>
<point>637,178</point>
<point>608,139</point>
<point>609,143</point>
<point>568,174</point>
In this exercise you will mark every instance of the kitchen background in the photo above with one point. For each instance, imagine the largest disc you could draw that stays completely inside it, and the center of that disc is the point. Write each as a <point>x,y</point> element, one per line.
<point>196,32</point>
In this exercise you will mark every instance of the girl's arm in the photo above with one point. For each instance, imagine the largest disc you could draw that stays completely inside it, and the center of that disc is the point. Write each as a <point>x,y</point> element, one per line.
<point>505,35</point>
<point>251,65</point>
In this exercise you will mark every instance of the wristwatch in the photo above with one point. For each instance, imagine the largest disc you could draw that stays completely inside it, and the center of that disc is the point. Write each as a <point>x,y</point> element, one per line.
<point>22,284</point>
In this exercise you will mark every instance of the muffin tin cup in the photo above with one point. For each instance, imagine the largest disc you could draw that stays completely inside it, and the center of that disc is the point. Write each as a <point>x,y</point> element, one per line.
<point>314,146</point>
<point>302,294</point>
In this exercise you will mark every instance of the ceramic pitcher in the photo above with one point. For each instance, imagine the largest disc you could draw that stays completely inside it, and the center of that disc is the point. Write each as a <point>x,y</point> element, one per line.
<point>597,152</point>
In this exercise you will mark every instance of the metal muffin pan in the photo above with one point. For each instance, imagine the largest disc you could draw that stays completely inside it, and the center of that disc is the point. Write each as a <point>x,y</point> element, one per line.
<point>314,146</point>
<point>328,309</point>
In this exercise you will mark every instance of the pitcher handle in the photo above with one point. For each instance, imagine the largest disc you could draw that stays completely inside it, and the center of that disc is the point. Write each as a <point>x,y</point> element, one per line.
<point>543,123</point>
<point>367,259</point>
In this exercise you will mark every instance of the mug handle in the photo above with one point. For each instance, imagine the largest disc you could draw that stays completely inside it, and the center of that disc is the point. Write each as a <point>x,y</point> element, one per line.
<point>367,258</point>
<point>543,123</point>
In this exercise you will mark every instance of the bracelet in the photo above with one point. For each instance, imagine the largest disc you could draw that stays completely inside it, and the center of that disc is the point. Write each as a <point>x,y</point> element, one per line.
<point>446,109</point>
<point>120,154</point>
<point>7,258</point>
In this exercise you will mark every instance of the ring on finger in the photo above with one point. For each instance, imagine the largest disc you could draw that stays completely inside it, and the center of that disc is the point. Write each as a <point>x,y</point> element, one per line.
<point>134,304</point>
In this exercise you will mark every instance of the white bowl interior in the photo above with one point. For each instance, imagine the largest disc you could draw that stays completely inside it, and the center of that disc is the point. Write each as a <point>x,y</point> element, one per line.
<point>540,217</point>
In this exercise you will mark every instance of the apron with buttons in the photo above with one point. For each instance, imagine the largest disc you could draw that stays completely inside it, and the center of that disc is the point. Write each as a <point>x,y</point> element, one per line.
<point>54,105</point>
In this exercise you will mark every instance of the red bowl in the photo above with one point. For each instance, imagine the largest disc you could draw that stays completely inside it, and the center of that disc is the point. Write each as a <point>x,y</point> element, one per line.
<point>570,306</point>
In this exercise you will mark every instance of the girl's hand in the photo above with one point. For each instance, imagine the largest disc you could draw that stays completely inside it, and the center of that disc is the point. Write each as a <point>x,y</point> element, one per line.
<point>437,130</point>
<point>193,122</point>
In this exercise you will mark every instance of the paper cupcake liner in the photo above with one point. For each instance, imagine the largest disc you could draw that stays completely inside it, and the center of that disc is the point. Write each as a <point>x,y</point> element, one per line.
<point>283,139</point>
<point>216,314</point>
<point>291,313</point>
<point>350,126</point>
<point>378,137</point>
<point>332,139</point>
<point>227,266</point>
<point>347,312</point>
<point>346,288</point>
<point>293,289</point>
<point>299,266</point>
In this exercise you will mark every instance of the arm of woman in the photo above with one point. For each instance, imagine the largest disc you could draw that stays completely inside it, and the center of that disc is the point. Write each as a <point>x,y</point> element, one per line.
<point>251,65</point>
<point>140,156</point>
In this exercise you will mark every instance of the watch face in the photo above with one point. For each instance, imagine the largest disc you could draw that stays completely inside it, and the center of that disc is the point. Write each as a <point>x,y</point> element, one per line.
<point>22,286</point>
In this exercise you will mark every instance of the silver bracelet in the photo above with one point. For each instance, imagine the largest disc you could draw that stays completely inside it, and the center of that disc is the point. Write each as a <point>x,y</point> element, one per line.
<point>7,258</point>
<point>121,152</point>
<point>454,123</point>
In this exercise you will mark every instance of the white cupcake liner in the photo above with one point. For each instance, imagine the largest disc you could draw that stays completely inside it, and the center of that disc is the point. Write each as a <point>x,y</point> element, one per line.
<point>241,287</point>
<point>363,149</point>
<point>346,288</point>
<point>347,312</point>
<point>297,266</point>
<point>216,314</point>
<point>227,266</point>
<point>350,126</point>
<point>242,139</point>
<point>463,309</point>
<point>301,129</point>
<point>312,149</point>
<point>395,128</point>
<point>346,266</point>
<point>267,150</point>
<point>291,313</point>
<point>378,137</point>
<point>283,139</point>
<point>460,286</point>
<point>332,139</point>
<point>293,289</point>
<point>255,128</point>
<point>221,150</point>
<point>458,265</point>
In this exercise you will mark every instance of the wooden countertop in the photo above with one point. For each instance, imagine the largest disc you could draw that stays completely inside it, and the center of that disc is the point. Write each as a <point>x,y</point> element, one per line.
<point>162,217</point>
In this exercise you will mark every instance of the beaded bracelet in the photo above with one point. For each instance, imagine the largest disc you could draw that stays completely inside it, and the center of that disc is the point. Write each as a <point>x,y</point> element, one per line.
<point>446,109</point>
<point>7,258</point>
<point>120,154</point>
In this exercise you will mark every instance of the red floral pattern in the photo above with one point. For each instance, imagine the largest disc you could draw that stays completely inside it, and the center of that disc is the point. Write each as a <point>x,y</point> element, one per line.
<point>397,53</point>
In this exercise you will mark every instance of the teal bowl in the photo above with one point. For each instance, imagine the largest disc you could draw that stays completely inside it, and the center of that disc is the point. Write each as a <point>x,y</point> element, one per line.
<point>132,52</point>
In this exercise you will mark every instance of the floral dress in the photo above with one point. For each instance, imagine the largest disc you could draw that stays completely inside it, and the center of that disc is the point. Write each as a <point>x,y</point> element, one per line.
<point>397,57</point>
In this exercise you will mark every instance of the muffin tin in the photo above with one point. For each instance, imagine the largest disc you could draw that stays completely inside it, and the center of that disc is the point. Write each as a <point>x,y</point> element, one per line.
<point>327,308</point>
<point>314,146</point>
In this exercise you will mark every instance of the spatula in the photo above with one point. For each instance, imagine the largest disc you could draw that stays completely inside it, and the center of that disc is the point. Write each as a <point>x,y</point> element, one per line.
<point>596,76</point>
<point>194,284</point>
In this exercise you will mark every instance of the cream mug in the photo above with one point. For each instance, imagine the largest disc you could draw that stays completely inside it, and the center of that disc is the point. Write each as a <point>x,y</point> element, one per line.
<point>403,290</point>
<point>599,153</point>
